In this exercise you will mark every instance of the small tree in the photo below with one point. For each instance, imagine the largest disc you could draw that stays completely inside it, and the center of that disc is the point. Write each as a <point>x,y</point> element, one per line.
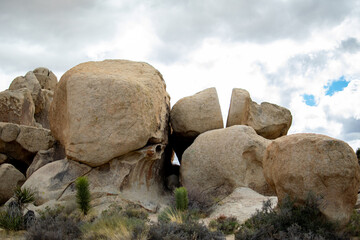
<point>83,194</point>
<point>181,199</point>
<point>358,154</point>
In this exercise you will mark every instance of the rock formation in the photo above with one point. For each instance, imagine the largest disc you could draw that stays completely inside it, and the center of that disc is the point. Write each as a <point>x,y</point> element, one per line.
<point>301,163</point>
<point>193,115</point>
<point>221,160</point>
<point>269,120</point>
<point>10,177</point>
<point>102,110</point>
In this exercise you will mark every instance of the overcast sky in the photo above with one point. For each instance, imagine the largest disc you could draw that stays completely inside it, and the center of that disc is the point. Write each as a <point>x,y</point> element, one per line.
<point>300,54</point>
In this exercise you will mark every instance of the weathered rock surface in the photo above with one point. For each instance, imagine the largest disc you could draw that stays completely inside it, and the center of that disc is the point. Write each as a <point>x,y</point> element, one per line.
<point>221,160</point>
<point>42,117</point>
<point>31,83</point>
<point>102,110</point>
<point>46,78</point>
<point>301,163</point>
<point>242,203</point>
<point>10,178</point>
<point>44,157</point>
<point>135,177</point>
<point>20,143</point>
<point>50,181</point>
<point>269,120</point>
<point>3,158</point>
<point>193,115</point>
<point>17,106</point>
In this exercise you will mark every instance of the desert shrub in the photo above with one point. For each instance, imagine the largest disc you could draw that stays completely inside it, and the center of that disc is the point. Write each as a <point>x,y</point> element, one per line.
<point>12,218</point>
<point>301,222</point>
<point>174,215</point>
<point>353,227</point>
<point>199,204</point>
<point>184,231</point>
<point>83,194</point>
<point>49,212</point>
<point>181,199</point>
<point>118,223</point>
<point>227,225</point>
<point>54,227</point>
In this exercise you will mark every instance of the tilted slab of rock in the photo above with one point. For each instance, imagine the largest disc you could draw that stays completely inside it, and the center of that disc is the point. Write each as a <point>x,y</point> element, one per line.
<point>50,181</point>
<point>42,117</point>
<point>193,115</point>
<point>269,120</point>
<point>102,110</point>
<point>297,164</point>
<point>10,178</point>
<point>242,203</point>
<point>134,176</point>
<point>17,106</point>
<point>221,160</point>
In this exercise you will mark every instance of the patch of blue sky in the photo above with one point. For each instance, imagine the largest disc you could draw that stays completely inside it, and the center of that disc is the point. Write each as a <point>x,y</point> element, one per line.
<point>336,86</point>
<point>309,99</point>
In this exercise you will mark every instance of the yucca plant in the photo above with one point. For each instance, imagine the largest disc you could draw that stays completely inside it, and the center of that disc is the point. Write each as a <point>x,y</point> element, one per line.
<point>23,196</point>
<point>83,194</point>
<point>181,199</point>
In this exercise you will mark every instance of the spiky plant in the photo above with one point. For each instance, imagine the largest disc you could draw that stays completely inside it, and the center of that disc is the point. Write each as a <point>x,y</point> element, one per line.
<point>23,196</point>
<point>181,199</point>
<point>83,194</point>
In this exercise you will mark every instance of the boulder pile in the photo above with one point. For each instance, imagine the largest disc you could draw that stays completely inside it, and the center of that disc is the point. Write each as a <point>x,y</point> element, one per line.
<point>111,121</point>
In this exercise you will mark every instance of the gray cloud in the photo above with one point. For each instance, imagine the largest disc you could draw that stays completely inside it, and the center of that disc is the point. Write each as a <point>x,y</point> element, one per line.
<point>351,45</point>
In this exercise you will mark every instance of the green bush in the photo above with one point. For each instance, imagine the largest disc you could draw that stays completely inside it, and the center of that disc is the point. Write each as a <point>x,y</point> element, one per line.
<point>12,218</point>
<point>181,199</point>
<point>303,221</point>
<point>185,231</point>
<point>353,227</point>
<point>83,194</point>
<point>54,227</point>
<point>227,225</point>
<point>173,215</point>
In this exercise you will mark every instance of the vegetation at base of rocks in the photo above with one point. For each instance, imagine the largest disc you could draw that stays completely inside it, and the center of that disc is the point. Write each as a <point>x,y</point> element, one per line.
<point>289,221</point>
<point>199,204</point>
<point>353,227</point>
<point>12,218</point>
<point>116,223</point>
<point>227,225</point>
<point>181,199</point>
<point>23,196</point>
<point>184,231</point>
<point>83,194</point>
<point>173,215</point>
<point>58,227</point>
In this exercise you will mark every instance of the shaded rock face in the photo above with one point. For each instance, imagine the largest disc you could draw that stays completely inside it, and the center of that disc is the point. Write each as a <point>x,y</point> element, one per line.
<point>46,78</point>
<point>194,115</point>
<point>269,120</point>
<point>301,163</point>
<point>102,110</point>
<point>221,160</point>
<point>10,178</point>
<point>20,143</point>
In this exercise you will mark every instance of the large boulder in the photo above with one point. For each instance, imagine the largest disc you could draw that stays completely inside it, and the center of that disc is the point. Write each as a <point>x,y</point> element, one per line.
<point>300,164</point>
<point>46,78</point>
<point>10,178</point>
<point>102,110</point>
<point>269,120</point>
<point>221,160</point>
<point>42,117</point>
<point>17,106</point>
<point>193,115</point>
